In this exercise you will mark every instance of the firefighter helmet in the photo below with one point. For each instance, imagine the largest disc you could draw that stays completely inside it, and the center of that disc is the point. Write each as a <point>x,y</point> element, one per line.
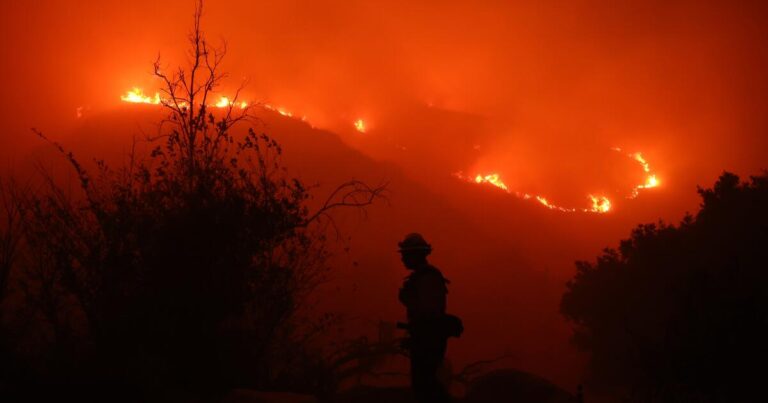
<point>414,242</point>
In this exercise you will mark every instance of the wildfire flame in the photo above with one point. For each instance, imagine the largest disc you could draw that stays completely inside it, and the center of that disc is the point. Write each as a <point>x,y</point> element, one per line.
<point>136,96</point>
<point>224,102</point>
<point>360,125</point>
<point>639,158</point>
<point>279,110</point>
<point>285,112</point>
<point>651,181</point>
<point>544,202</point>
<point>492,179</point>
<point>600,204</point>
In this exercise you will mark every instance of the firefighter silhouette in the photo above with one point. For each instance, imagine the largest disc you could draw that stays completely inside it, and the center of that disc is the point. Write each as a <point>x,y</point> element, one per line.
<point>424,296</point>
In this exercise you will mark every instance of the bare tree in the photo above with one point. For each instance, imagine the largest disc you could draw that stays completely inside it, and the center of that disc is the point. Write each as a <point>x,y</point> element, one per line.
<point>187,93</point>
<point>202,138</point>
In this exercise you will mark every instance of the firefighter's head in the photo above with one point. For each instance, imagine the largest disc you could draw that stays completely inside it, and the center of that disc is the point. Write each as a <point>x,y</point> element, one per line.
<point>414,251</point>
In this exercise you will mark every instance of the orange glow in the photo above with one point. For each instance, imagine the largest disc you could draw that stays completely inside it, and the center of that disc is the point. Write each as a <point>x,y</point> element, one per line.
<point>651,182</point>
<point>541,92</point>
<point>600,204</point>
<point>492,179</point>
<point>224,102</point>
<point>136,95</point>
<point>360,125</point>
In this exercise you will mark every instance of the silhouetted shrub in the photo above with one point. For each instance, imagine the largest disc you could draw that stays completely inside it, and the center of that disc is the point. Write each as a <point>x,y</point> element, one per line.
<point>184,269</point>
<point>680,313</point>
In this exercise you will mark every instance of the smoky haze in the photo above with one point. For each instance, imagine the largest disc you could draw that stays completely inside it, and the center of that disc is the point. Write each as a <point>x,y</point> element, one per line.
<point>539,93</point>
<point>679,81</point>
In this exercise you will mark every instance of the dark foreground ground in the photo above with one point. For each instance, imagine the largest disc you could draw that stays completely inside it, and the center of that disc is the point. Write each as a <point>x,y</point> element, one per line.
<point>504,385</point>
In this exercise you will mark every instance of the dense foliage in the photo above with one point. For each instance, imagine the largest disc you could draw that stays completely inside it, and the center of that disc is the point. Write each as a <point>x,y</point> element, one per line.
<point>680,313</point>
<point>175,275</point>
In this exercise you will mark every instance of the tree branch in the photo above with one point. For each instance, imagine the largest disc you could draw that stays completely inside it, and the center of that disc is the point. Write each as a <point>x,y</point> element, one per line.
<point>354,193</point>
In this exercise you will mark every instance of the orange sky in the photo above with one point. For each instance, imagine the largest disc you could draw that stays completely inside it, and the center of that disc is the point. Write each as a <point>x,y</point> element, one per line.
<point>556,84</point>
<point>537,92</point>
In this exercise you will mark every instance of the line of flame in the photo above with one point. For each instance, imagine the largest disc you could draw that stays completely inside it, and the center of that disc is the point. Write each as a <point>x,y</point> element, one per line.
<point>651,181</point>
<point>600,204</point>
<point>136,95</point>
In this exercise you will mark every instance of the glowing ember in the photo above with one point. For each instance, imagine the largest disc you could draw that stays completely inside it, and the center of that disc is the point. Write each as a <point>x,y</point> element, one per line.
<point>360,125</point>
<point>136,96</point>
